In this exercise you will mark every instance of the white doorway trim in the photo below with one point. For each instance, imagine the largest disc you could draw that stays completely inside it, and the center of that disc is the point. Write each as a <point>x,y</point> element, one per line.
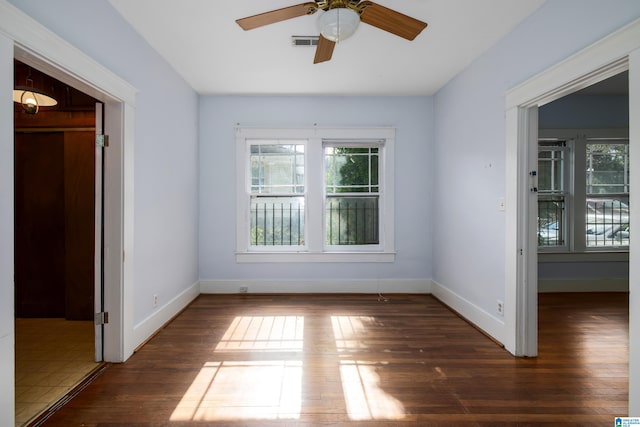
<point>613,54</point>
<point>36,45</point>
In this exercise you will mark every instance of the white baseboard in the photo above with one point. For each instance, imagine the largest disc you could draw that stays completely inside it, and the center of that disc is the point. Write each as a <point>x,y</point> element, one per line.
<point>149,326</point>
<point>364,286</point>
<point>583,285</point>
<point>492,326</point>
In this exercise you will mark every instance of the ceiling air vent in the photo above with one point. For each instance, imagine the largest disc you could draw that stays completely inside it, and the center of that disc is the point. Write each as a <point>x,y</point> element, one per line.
<point>304,40</point>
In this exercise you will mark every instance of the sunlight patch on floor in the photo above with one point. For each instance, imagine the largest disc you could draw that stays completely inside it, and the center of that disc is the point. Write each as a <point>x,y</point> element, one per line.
<point>245,390</point>
<point>246,387</point>
<point>349,331</point>
<point>275,333</point>
<point>364,394</point>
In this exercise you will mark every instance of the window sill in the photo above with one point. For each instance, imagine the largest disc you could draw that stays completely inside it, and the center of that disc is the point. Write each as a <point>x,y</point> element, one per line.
<point>314,257</point>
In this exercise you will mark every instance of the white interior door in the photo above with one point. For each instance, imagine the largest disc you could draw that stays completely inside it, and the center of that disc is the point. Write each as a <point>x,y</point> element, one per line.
<point>99,254</point>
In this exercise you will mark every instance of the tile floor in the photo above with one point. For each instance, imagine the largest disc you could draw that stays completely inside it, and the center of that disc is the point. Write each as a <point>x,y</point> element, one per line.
<point>52,356</point>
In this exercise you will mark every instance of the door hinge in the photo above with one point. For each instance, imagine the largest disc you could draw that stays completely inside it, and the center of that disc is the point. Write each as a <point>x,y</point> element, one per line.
<point>102,318</point>
<point>102,140</point>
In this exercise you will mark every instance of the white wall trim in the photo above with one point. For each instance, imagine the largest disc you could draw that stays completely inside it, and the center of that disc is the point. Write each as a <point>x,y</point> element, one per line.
<point>154,322</point>
<point>634,253</point>
<point>583,285</point>
<point>491,325</point>
<point>356,286</point>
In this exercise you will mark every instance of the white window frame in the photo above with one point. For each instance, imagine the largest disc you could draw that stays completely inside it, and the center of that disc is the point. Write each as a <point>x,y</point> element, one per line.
<point>251,142</point>
<point>381,145</point>
<point>575,190</point>
<point>314,249</point>
<point>568,165</point>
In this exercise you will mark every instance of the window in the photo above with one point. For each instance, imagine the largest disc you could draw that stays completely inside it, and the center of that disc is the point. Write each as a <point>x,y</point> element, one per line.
<point>352,194</point>
<point>551,194</point>
<point>277,193</point>
<point>607,208</point>
<point>315,195</point>
<point>583,194</point>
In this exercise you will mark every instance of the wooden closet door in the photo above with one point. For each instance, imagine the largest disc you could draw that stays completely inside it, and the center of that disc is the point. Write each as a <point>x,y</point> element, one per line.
<point>79,195</point>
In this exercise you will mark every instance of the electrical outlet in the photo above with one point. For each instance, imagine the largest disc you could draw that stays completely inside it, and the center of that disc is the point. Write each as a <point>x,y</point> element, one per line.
<point>244,289</point>
<point>500,307</point>
<point>155,300</point>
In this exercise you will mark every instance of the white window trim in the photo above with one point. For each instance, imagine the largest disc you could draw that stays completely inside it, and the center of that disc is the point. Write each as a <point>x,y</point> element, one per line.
<point>315,249</point>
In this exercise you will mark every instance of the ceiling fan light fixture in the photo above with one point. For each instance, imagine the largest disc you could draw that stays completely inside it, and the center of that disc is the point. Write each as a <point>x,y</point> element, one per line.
<point>338,24</point>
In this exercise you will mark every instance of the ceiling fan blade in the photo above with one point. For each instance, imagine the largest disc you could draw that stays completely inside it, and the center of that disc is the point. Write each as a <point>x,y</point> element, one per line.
<point>324,51</point>
<point>394,22</point>
<point>255,21</point>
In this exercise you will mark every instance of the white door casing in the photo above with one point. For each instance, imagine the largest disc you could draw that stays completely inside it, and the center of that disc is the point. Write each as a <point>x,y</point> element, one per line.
<point>610,56</point>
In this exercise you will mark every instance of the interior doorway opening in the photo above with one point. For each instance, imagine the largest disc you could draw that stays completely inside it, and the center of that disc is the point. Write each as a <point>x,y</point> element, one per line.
<point>583,182</point>
<point>57,260</point>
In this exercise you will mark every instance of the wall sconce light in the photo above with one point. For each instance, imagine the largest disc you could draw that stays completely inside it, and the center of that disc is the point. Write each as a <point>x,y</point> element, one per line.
<point>30,98</point>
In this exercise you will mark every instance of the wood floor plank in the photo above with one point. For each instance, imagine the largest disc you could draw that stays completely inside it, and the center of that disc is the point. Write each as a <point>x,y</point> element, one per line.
<point>309,360</point>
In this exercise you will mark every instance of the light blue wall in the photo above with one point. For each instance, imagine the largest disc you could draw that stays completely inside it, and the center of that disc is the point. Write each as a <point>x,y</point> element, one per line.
<point>585,111</point>
<point>469,152</point>
<point>583,270</point>
<point>412,117</point>
<point>166,144</point>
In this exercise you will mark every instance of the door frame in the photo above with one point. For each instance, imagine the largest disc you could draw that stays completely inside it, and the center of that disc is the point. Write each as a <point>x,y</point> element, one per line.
<point>612,55</point>
<point>37,46</point>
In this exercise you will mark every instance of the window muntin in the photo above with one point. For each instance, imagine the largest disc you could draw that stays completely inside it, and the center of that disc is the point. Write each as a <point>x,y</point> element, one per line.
<point>351,169</point>
<point>277,208</point>
<point>277,168</point>
<point>607,168</point>
<point>352,191</point>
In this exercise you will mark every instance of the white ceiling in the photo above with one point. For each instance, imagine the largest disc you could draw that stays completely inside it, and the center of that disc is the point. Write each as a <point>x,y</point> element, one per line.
<point>201,40</point>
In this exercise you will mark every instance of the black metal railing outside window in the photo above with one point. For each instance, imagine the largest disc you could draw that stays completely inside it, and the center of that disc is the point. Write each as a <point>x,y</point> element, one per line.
<point>607,223</point>
<point>551,216</point>
<point>277,221</point>
<point>352,220</point>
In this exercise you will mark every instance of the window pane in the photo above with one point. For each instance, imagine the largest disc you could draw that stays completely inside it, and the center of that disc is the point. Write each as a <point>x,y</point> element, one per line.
<point>551,222</point>
<point>607,222</point>
<point>550,166</point>
<point>351,170</point>
<point>352,220</point>
<point>277,221</point>
<point>277,168</point>
<point>607,168</point>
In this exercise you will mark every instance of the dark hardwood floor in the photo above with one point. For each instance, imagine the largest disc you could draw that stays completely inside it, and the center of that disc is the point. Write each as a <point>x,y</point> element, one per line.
<point>313,360</point>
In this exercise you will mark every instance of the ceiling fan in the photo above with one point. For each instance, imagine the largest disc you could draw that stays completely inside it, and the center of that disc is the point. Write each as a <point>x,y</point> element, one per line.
<point>339,21</point>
